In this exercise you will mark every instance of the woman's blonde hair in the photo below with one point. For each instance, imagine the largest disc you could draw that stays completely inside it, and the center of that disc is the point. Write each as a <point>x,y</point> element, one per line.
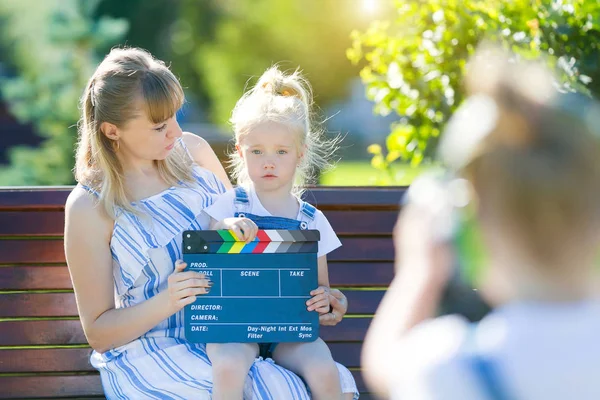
<point>538,165</point>
<point>284,98</point>
<point>113,94</point>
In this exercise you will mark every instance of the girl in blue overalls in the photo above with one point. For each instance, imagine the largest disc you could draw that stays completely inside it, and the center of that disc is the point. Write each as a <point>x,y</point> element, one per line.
<point>276,148</point>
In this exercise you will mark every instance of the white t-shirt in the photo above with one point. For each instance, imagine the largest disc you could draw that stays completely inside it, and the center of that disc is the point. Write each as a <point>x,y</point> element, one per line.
<point>224,207</point>
<point>540,351</point>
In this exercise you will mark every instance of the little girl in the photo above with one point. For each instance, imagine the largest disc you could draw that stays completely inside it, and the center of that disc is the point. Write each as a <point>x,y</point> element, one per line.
<point>276,150</point>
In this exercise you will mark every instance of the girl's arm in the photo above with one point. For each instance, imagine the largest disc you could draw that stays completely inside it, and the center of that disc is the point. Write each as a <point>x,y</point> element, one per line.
<point>320,296</point>
<point>87,247</point>
<point>205,156</point>
<point>323,271</point>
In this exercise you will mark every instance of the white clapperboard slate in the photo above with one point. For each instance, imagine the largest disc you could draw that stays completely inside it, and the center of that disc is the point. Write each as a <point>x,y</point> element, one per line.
<point>260,289</point>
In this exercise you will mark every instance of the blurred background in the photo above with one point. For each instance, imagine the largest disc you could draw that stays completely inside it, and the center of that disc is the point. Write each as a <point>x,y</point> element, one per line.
<point>386,74</point>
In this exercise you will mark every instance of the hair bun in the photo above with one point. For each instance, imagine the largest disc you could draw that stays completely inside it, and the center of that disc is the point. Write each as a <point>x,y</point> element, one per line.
<point>276,83</point>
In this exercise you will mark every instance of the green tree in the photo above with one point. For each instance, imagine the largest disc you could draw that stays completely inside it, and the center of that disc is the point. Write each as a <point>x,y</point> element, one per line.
<point>413,64</point>
<point>54,46</point>
<point>219,45</point>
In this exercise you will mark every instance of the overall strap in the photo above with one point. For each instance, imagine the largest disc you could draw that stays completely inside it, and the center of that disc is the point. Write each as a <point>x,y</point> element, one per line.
<point>307,214</point>
<point>242,200</point>
<point>486,371</point>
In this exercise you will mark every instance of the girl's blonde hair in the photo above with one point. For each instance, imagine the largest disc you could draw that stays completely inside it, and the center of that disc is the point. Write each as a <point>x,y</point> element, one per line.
<point>285,99</point>
<point>124,79</point>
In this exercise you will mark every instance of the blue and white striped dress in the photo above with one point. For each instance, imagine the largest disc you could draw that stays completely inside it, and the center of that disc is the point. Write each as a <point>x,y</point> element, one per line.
<point>161,364</point>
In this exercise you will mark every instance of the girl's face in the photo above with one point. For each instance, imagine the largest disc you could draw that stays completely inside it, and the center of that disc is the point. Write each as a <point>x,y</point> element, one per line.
<point>271,154</point>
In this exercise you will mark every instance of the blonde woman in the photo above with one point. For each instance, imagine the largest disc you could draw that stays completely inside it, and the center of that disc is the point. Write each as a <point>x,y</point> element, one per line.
<point>141,183</point>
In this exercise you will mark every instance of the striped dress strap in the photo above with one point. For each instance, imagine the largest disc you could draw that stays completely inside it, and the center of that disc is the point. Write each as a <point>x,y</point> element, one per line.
<point>89,189</point>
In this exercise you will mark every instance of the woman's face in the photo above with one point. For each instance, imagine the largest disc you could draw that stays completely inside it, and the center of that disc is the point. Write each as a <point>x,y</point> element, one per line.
<point>141,139</point>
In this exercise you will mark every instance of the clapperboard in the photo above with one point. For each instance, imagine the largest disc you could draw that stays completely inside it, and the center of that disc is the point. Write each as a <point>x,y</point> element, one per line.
<point>260,288</point>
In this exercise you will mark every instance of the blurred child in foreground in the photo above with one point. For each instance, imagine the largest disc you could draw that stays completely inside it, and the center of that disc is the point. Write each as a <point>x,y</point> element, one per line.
<point>532,169</point>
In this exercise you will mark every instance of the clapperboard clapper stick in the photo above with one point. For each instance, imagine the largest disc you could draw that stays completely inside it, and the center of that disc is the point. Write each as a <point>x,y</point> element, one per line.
<point>259,290</point>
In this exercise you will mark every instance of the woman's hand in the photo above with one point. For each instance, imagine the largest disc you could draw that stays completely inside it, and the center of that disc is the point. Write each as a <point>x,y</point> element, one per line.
<point>319,301</point>
<point>243,228</point>
<point>339,304</point>
<point>185,286</point>
<point>422,260</point>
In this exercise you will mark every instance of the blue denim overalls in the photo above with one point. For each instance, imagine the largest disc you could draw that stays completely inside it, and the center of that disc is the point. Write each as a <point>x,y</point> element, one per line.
<point>242,210</point>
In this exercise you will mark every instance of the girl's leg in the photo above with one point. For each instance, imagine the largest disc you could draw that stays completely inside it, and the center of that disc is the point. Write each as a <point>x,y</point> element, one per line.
<point>313,362</point>
<point>230,365</point>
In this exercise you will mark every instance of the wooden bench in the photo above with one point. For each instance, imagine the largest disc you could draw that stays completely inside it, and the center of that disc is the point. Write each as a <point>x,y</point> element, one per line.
<point>43,351</point>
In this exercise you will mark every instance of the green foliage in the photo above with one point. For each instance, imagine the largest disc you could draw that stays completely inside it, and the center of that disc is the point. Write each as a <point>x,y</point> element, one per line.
<point>219,45</point>
<point>413,64</point>
<point>54,46</point>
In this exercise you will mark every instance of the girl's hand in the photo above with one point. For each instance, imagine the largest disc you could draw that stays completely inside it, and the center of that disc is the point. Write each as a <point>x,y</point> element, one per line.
<point>243,228</point>
<point>183,287</point>
<point>320,300</point>
<point>339,303</point>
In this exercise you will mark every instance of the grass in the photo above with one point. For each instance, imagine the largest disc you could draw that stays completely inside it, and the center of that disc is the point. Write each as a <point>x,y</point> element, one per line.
<point>361,173</point>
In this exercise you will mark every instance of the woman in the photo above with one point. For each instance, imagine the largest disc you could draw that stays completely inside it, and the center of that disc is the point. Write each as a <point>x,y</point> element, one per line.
<point>142,182</point>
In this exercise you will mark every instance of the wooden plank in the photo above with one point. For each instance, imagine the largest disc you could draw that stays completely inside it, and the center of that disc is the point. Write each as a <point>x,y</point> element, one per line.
<point>49,386</point>
<point>359,273</point>
<point>32,223</point>
<point>52,251</point>
<point>349,330</point>
<point>362,222</point>
<point>41,332</point>
<point>46,360</point>
<point>325,197</point>
<point>51,223</point>
<point>64,305</point>
<point>31,251</point>
<point>34,198</point>
<point>43,277</point>
<point>29,277</point>
<point>65,332</point>
<point>77,359</point>
<point>38,305</point>
<point>341,197</point>
<point>363,301</point>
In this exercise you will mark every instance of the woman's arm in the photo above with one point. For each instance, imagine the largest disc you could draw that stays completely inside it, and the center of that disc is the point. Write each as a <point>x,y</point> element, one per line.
<point>205,157</point>
<point>339,305</point>
<point>422,268</point>
<point>87,247</point>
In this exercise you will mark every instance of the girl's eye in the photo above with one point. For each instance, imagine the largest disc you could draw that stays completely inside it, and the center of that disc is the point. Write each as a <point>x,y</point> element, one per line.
<point>161,128</point>
<point>282,152</point>
<point>256,152</point>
